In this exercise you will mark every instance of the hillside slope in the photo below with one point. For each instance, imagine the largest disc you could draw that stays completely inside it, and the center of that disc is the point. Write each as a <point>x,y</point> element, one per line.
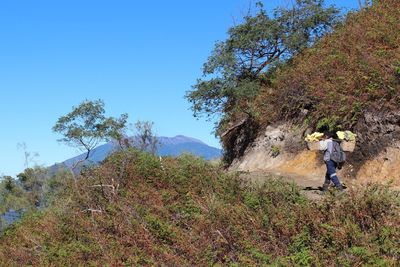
<point>185,212</point>
<point>354,70</point>
<point>349,80</point>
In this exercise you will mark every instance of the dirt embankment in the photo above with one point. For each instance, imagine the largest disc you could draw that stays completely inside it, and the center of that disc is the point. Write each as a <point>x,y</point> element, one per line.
<point>281,149</point>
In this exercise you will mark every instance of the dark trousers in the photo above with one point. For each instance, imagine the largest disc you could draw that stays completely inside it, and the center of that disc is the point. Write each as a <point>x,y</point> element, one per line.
<point>331,175</point>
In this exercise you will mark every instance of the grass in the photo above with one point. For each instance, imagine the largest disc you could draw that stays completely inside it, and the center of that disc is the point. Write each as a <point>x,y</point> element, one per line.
<point>186,211</point>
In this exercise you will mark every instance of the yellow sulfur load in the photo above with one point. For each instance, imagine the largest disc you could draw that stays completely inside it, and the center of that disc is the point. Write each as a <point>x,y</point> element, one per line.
<point>315,137</point>
<point>347,136</point>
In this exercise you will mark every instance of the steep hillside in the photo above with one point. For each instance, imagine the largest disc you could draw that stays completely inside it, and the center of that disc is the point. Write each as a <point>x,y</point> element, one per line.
<point>349,80</point>
<point>137,211</point>
<point>354,70</point>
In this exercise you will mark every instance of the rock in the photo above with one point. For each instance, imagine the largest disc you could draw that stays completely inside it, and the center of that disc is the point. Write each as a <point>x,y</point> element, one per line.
<point>274,134</point>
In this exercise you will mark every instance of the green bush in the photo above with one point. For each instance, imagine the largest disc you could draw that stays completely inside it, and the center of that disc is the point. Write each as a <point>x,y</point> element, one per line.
<point>189,212</point>
<point>329,124</point>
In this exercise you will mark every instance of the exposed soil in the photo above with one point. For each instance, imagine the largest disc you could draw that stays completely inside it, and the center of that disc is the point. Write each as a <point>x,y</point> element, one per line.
<point>280,149</point>
<point>311,184</point>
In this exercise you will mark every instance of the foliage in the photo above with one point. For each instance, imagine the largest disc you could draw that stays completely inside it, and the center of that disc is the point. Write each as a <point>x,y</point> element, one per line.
<point>233,72</point>
<point>185,211</point>
<point>86,126</point>
<point>328,124</point>
<point>32,181</point>
<point>34,188</point>
<point>275,151</point>
<point>343,75</point>
<point>330,83</point>
<point>12,196</point>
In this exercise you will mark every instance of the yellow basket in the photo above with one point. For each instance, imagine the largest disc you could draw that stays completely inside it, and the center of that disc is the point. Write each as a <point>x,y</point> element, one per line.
<point>348,146</point>
<point>314,145</point>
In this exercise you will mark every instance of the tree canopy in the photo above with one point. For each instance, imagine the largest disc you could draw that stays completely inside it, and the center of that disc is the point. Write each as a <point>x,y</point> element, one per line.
<point>233,72</point>
<point>86,126</point>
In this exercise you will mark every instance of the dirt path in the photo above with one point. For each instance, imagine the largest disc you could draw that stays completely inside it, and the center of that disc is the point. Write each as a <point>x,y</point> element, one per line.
<point>310,184</point>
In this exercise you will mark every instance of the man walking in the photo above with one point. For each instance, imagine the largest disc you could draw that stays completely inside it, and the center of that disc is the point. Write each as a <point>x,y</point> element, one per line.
<point>331,176</point>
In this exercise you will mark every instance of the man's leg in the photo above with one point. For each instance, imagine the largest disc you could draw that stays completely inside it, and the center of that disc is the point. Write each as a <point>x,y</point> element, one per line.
<point>327,181</point>
<point>332,174</point>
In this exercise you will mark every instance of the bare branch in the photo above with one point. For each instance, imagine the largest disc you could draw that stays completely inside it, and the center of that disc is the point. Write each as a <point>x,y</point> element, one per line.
<point>92,211</point>
<point>100,185</point>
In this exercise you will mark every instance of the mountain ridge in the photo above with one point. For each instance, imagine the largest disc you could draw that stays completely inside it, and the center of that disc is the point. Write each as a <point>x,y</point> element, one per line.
<point>168,146</point>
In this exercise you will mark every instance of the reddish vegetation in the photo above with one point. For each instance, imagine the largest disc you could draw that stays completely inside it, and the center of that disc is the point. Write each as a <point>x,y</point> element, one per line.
<point>185,212</point>
<point>348,80</point>
<point>357,68</point>
<point>135,210</point>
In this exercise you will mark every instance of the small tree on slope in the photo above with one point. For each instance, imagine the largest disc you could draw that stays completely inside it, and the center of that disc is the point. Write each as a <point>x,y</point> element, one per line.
<point>86,126</point>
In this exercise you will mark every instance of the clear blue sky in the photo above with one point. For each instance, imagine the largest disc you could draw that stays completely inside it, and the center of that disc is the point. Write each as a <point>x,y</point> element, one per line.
<point>138,56</point>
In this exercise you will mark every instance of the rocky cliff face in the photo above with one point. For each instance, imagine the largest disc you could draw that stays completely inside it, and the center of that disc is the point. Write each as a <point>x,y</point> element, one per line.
<point>349,79</point>
<point>377,157</point>
<point>281,148</point>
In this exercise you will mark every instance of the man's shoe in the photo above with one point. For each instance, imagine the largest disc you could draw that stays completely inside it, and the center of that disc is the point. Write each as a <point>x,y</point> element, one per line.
<point>340,190</point>
<point>325,187</point>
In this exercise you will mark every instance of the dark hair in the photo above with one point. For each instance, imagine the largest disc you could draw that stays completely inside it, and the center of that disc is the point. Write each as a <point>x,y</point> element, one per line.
<point>329,134</point>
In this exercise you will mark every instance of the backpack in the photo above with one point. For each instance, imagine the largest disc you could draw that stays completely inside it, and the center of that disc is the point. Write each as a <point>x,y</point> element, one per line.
<point>338,155</point>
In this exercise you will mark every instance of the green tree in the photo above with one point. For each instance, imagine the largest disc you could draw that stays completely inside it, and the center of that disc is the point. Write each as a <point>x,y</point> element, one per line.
<point>9,184</point>
<point>86,126</point>
<point>233,73</point>
<point>32,181</point>
<point>12,196</point>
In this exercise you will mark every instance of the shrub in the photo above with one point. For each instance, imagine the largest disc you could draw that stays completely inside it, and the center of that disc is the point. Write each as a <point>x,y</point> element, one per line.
<point>189,212</point>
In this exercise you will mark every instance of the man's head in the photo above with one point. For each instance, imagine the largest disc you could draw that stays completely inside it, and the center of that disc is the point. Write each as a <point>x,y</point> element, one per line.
<point>329,134</point>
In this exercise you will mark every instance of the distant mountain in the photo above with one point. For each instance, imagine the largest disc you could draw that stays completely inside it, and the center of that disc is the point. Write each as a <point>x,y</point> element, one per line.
<point>169,146</point>
<point>175,146</point>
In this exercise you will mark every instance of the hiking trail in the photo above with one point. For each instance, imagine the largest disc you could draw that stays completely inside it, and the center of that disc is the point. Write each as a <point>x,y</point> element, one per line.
<point>310,184</point>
